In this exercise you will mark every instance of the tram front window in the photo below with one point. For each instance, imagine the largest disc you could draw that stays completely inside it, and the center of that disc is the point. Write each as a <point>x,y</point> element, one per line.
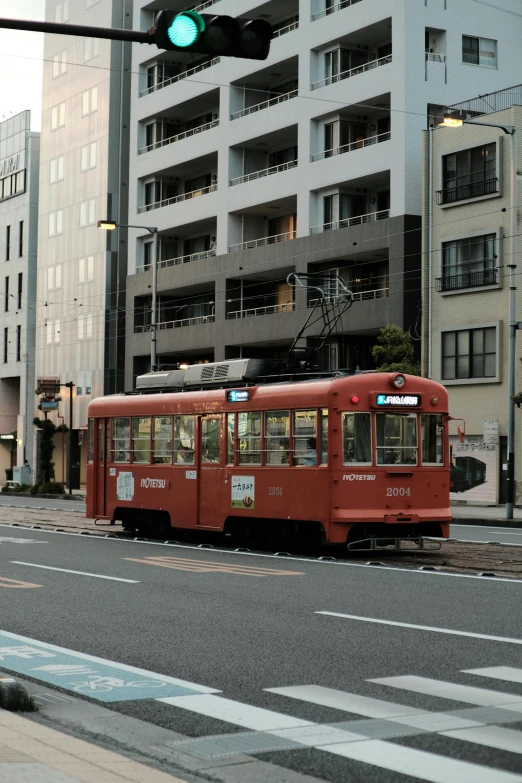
<point>396,438</point>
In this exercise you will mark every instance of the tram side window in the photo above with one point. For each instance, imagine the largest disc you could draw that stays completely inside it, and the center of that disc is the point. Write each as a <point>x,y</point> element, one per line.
<point>90,452</point>
<point>231,420</point>
<point>162,440</point>
<point>210,432</point>
<point>432,429</point>
<point>141,439</point>
<point>108,440</point>
<point>121,440</point>
<point>357,439</point>
<point>396,438</point>
<point>277,438</point>
<point>184,440</point>
<point>249,438</point>
<point>101,441</point>
<point>305,438</point>
<point>324,437</point>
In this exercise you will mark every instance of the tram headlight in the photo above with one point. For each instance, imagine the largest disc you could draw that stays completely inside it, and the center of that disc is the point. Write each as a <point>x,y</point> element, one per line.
<point>399,381</point>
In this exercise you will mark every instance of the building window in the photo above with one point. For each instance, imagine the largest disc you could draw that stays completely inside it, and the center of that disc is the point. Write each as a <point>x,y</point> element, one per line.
<point>87,212</point>
<point>56,169</point>
<point>88,157</point>
<point>21,238</point>
<point>61,12</point>
<point>469,174</point>
<point>6,344</point>
<point>58,116</point>
<point>53,331</point>
<point>85,326</point>
<point>20,290</point>
<point>59,64</point>
<point>86,269</point>
<point>89,101</point>
<point>92,48</point>
<point>6,295</point>
<point>18,343</point>
<point>469,353</point>
<point>55,223</point>
<point>469,262</point>
<point>479,51</point>
<point>7,242</point>
<point>54,277</point>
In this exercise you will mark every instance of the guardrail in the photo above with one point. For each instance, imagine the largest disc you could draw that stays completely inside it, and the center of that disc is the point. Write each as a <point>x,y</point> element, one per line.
<point>353,221</point>
<point>286,29</point>
<point>175,199</point>
<point>264,105</point>
<point>334,8</point>
<point>353,145</point>
<point>485,187</point>
<point>338,77</point>
<point>467,280</point>
<point>262,241</point>
<point>178,137</point>
<point>267,310</point>
<point>263,173</point>
<point>179,76</point>
<point>359,296</point>
<point>199,319</point>
<point>435,58</point>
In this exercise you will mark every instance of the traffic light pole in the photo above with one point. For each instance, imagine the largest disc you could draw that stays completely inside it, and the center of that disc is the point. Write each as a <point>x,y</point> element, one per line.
<point>85,31</point>
<point>70,385</point>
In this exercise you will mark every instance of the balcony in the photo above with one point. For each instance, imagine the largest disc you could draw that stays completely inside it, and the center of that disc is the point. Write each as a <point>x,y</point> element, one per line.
<point>178,77</point>
<point>433,57</point>
<point>166,262</point>
<point>176,199</point>
<point>355,145</point>
<point>262,241</point>
<point>485,187</point>
<point>483,277</point>
<point>333,8</point>
<point>179,137</point>
<point>369,217</point>
<point>266,310</point>
<point>195,321</point>
<point>264,173</point>
<point>286,29</point>
<point>264,105</point>
<point>338,77</point>
<point>358,296</point>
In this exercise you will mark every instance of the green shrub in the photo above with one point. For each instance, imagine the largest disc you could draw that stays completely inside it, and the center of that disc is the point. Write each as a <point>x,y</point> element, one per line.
<point>48,488</point>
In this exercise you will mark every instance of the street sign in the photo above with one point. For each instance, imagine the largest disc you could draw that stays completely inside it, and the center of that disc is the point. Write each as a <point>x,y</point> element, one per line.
<point>48,386</point>
<point>491,432</point>
<point>49,405</point>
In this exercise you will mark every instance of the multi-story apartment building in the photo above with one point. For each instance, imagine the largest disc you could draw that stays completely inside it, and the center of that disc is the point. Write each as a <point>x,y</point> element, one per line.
<point>308,162</point>
<point>84,159</point>
<point>19,169</point>
<point>467,251</point>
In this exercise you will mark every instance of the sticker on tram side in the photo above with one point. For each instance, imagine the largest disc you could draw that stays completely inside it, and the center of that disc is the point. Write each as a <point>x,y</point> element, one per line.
<point>243,492</point>
<point>125,486</point>
<point>191,475</point>
<point>112,471</point>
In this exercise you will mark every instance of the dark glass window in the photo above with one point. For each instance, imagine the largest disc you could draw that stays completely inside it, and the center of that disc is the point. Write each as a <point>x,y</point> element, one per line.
<point>469,174</point>
<point>469,262</point>
<point>469,353</point>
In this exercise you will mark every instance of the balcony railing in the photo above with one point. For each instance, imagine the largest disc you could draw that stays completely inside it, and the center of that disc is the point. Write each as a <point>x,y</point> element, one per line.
<point>264,172</point>
<point>262,241</point>
<point>267,310</point>
<point>358,296</point>
<point>264,104</point>
<point>179,137</point>
<point>484,187</point>
<point>175,199</point>
<point>199,319</point>
<point>353,221</point>
<point>334,8</point>
<point>207,4</point>
<point>180,76</point>
<point>354,145</point>
<point>186,259</point>
<point>338,77</point>
<point>286,29</point>
<point>467,280</point>
<point>435,58</point>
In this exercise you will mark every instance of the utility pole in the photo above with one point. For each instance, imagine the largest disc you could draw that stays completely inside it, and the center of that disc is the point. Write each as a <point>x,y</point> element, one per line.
<point>70,385</point>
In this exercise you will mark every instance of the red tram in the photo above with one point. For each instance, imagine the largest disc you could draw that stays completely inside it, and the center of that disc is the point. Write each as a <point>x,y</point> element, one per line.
<point>346,458</point>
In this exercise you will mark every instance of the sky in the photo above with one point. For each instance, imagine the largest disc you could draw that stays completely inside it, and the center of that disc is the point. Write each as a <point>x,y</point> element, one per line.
<point>21,62</point>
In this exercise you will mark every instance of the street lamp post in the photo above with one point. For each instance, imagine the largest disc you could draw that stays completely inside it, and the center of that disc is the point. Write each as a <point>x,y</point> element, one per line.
<point>455,122</point>
<point>109,225</point>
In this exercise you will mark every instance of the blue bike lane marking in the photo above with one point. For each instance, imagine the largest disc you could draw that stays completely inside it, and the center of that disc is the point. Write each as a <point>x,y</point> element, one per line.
<point>86,674</point>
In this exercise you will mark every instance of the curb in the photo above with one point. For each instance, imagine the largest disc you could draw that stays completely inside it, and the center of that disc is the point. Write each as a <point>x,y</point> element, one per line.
<point>74,498</point>
<point>497,522</point>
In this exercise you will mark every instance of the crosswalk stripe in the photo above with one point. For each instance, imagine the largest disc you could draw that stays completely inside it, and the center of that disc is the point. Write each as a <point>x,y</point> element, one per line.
<point>490,736</point>
<point>209,566</point>
<point>419,764</point>
<point>448,690</point>
<point>347,702</point>
<point>506,673</point>
<point>235,712</point>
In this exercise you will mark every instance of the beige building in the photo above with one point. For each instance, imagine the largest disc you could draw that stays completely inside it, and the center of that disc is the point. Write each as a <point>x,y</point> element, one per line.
<point>466,257</point>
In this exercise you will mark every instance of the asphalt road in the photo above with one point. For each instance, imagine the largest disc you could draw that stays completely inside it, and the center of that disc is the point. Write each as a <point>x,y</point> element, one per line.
<point>504,535</point>
<point>285,679</point>
<point>44,503</point>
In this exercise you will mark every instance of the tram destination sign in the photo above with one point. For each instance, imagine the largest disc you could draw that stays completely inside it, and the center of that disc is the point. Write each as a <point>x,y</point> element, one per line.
<point>398,400</point>
<point>238,395</point>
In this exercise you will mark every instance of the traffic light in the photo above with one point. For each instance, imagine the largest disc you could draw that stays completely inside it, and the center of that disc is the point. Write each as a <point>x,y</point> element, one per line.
<point>222,36</point>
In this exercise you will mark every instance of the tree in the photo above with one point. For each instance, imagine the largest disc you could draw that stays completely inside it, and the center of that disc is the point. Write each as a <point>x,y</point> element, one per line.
<point>394,351</point>
<point>46,464</point>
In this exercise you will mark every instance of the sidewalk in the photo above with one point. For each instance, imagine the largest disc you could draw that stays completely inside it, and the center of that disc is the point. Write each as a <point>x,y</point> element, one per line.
<point>33,753</point>
<point>486,515</point>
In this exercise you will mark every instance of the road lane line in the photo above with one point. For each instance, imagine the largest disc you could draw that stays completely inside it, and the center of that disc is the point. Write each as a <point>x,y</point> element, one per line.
<point>235,712</point>
<point>378,621</point>
<point>499,532</point>
<point>490,737</point>
<point>481,697</point>
<point>79,573</point>
<point>347,702</point>
<point>506,673</point>
<point>419,763</point>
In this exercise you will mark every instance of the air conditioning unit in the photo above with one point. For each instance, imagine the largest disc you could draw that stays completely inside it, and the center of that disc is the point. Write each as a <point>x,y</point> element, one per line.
<point>214,177</point>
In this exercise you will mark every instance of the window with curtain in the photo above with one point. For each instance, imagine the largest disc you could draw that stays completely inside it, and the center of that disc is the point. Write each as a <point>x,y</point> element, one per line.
<point>469,262</point>
<point>468,174</point>
<point>479,51</point>
<point>469,353</point>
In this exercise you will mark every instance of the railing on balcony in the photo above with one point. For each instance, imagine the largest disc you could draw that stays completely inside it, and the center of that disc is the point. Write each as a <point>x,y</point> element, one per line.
<point>353,221</point>
<point>175,199</point>
<point>484,187</point>
<point>286,29</point>
<point>334,8</point>
<point>435,58</point>
<point>202,6</point>
<point>338,77</point>
<point>267,310</point>
<point>467,280</point>
<point>179,137</point>
<point>185,259</point>
<point>358,296</point>
<point>354,145</point>
<point>264,172</point>
<point>264,104</point>
<point>199,319</point>
<point>262,241</point>
<point>180,76</point>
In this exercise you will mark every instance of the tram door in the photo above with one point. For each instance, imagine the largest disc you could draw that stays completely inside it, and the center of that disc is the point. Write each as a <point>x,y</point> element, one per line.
<point>101,457</point>
<point>211,474</point>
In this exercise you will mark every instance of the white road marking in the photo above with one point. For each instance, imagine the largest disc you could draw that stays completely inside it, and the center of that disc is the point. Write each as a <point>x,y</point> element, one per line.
<point>506,673</point>
<point>482,697</point>
<point>315,736</point>
<point>419,764</point>
<point>235,712</point>
<point>490,736</point>
<point>488,637</point>
<point>347,702</point>
<point>79,573</point>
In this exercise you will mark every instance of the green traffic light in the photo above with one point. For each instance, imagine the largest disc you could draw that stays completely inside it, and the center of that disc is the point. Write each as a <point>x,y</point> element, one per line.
<point>185,29</point>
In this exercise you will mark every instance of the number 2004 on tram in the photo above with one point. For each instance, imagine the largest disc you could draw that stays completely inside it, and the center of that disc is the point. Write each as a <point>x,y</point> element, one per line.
<point>340,460</point>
